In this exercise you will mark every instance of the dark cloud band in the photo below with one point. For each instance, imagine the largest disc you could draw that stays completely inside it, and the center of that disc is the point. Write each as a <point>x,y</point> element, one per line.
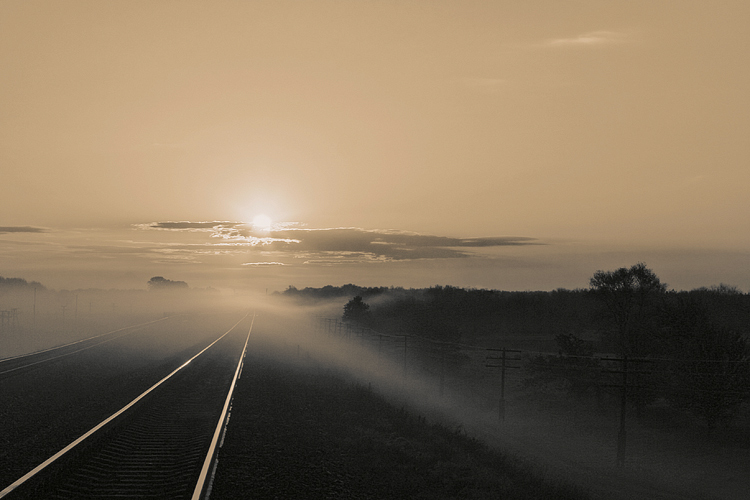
<point>22,229</point>
<point>192,225</point>
<point>345,244</point>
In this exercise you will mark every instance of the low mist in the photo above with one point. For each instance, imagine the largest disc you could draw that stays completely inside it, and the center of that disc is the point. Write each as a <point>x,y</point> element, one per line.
<point>562,440</point>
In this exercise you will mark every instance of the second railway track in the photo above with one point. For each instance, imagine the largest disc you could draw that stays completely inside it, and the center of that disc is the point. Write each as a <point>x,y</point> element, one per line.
<point>16,365</point>
<point>159,446</point>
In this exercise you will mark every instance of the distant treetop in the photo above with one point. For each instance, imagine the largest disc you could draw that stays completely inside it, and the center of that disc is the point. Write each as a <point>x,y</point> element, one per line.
<point>161,283</point>
<point>356,311</point>
<point>333,292</point>
<point>19,283</point>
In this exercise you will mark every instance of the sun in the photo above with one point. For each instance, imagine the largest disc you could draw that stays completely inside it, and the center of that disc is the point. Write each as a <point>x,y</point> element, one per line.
<point>262,222</point>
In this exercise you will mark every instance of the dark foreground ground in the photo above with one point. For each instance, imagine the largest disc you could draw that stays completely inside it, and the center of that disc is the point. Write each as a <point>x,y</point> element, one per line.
<point>305,432</point>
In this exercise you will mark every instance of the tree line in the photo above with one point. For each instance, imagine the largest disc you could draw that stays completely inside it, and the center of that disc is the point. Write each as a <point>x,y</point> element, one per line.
<point>696,341</point>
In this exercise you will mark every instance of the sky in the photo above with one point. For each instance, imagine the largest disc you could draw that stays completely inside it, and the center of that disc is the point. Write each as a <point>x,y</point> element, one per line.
<point>515,145</point>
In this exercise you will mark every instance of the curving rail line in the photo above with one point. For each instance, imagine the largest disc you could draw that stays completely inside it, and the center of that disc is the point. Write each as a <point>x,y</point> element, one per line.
<point>161,445</point>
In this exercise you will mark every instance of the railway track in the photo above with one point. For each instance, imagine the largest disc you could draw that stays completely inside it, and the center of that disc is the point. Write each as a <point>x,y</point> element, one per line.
<point>16,365</point>
<point>161,445</point>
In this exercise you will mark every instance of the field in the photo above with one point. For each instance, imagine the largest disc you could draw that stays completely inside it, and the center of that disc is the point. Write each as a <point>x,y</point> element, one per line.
<point>329,415</point>
<point>309,433</point>
<point>318,410</point>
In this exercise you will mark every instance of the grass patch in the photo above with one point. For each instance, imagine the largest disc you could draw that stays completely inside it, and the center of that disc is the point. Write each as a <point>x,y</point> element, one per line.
<point>297,433</point>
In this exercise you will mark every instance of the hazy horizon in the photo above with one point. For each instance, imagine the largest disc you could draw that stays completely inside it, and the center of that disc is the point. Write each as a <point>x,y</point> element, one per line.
<point>256,145</point>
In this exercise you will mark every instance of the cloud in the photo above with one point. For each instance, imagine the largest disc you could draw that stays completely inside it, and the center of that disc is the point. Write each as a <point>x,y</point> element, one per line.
<point>186,225</point>
<point>226,230</point>
<point>22,229</point>
<point>592,38</point>
<point>263,264</point>
<point>360,245</point>
<point>329,246</point>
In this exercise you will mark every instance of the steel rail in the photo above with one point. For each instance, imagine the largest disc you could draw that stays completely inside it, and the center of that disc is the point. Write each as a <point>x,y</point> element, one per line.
<point>212,450</point>
<point>68,345</point>
<point>106,421</point>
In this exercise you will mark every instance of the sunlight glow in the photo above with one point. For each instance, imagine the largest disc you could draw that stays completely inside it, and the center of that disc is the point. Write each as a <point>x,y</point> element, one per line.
<point>262,222</point>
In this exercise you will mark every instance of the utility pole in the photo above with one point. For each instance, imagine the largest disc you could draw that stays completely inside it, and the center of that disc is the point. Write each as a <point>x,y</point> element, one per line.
<point>503,358</point>
<point>405,337</point>
<point>442,371</point>
<point>622,434</point>
<point>380,345</point>
<point>624,385</point>
<point>14,317</point>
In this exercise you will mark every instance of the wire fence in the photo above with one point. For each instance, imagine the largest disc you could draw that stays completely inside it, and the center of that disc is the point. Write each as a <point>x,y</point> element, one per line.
<point>714,389</point>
